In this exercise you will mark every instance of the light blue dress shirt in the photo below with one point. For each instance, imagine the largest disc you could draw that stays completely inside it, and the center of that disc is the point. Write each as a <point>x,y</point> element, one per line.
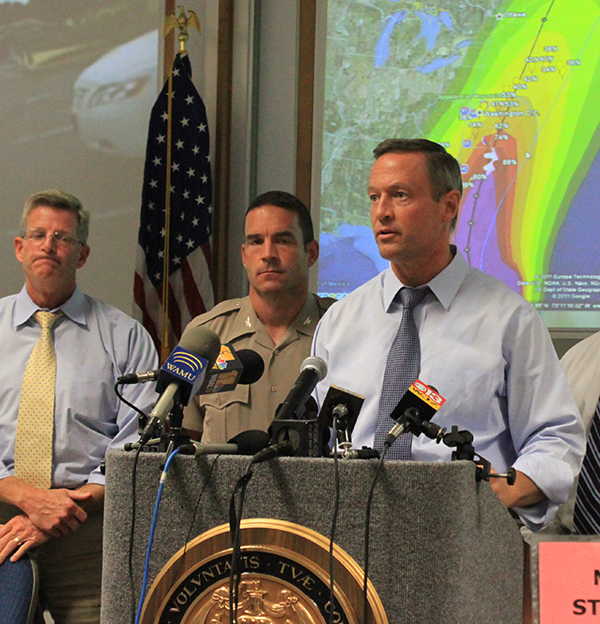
<point>95,343</point>
<point>489,355</point>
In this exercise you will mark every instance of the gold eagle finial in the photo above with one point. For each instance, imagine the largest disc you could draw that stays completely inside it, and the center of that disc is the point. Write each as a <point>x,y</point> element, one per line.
<point>183,22</point>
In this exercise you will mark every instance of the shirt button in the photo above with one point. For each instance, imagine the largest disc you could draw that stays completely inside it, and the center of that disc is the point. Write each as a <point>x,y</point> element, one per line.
<point>273,388</point>
<point>276,352</point>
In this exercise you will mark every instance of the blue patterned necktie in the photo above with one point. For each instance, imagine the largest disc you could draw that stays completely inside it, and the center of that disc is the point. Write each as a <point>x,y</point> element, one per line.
<point>401,370</point>
<point>586,516</point>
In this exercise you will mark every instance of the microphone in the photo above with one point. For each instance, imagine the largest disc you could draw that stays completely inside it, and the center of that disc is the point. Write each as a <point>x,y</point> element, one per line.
<point>244,443</point>
<point>246,365</point>
<point>344,406</point>
<point>413,412</point>
<point>312,371</point>
<point>254,366</point>
<point>232,368</point>
<point>183,373</point>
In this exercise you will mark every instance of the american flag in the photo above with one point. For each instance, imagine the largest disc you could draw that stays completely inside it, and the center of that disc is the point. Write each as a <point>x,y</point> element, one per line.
<point>185,159</point>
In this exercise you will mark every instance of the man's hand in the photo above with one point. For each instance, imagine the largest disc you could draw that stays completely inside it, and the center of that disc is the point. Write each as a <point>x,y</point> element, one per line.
<point>524,492</point>
<point>18,535</point>
<point>56,512</point>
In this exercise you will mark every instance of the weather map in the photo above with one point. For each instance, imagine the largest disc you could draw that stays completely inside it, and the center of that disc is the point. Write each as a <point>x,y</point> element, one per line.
<point>511,89</point>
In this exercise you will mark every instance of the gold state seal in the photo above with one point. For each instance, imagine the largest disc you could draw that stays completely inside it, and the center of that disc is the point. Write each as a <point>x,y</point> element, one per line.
<point>285,580</point>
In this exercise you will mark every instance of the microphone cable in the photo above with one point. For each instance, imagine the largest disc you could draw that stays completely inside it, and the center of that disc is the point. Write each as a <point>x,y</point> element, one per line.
<point>163,479</point>
<point>235,516</point>
<point>135,606</point>
<point>367,531</point>
<point>124,400</point>
<point>142,419</point>
<point>336,507</point>
<point>180,561</point>
<point>235,519</point>
<point>136,457</point>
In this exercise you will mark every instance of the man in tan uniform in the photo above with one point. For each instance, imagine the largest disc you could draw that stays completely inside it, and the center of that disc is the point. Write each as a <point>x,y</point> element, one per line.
<point>277,319</point>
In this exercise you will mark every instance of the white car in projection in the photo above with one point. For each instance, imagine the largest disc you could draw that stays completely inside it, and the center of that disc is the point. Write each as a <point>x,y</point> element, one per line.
<point>114,96</point>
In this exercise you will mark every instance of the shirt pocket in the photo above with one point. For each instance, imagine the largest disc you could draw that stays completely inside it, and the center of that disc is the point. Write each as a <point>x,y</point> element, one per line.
<point>240,395</point>
<point>226,414</point>
<point>471,398</point>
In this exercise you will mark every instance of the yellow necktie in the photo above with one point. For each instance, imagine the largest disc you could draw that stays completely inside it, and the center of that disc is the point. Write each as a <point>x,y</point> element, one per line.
<point>35,426</point>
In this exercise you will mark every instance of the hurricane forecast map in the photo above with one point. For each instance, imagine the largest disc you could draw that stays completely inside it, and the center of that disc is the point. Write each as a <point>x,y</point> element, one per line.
<point>511,89</point>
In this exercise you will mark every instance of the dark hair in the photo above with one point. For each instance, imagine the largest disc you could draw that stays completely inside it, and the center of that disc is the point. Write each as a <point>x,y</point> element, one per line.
<point>58,200</point>
<point>290,202</point>
<point>443,168</point>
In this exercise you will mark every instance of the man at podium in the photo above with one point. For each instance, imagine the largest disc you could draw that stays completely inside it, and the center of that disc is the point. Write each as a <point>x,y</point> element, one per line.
<point>433,317</point>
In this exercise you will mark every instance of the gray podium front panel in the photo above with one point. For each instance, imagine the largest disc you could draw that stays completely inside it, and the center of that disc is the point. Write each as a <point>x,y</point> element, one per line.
<point>443,548</point>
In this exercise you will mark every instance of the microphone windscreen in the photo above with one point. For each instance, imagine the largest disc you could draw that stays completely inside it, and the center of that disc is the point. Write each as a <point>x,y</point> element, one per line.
<point>254,366</point>
<point>250,442</point>
<point>201,341</point>
<point>316,364</point>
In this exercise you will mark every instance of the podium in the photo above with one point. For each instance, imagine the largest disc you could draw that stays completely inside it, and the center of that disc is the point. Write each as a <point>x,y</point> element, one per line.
<point>443,549</point>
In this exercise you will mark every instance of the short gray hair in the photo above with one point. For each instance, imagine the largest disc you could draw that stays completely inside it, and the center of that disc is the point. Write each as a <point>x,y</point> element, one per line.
<point>58,200</point>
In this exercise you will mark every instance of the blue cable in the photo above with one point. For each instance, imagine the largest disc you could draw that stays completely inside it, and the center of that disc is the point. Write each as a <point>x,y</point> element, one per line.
<point>163,479</point>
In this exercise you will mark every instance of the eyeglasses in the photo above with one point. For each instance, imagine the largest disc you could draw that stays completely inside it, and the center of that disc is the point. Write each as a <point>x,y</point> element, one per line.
<point>64,239</point>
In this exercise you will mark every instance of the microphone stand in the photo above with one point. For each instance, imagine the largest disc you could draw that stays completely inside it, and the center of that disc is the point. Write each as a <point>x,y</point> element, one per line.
<point>171,439</point>
<point>175,436</point>
<point>463,442</point>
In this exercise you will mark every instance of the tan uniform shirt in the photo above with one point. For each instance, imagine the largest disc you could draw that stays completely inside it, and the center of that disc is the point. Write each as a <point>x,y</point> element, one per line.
<point>221,416</point>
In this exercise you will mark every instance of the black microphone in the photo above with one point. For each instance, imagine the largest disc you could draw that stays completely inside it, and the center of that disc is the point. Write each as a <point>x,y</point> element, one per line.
<point>232,368</point>
<point>312,371</point>
<point>254,366</point>
<point>244,443</point>
<point>345,406</point>
<point>413,412</point>
<point>183,373</point>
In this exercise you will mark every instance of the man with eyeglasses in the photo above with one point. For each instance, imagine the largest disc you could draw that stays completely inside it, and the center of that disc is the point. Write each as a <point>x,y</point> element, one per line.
<point>63,349</point>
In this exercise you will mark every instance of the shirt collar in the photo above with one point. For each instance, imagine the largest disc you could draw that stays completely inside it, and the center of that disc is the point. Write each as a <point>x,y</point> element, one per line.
<point>444,285</point>
<point>248,323</point>
<point>74,307</point>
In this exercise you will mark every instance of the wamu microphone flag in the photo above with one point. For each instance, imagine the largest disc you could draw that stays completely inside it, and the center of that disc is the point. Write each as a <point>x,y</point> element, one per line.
<point>172,281</point>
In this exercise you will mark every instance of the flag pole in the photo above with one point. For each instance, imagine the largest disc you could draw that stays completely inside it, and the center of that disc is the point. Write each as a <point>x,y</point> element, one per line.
<point>181,22</point>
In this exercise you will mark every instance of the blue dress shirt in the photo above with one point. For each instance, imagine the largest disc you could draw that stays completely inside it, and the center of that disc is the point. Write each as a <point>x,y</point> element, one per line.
<point>486,350</point>
<point>95,343</point>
